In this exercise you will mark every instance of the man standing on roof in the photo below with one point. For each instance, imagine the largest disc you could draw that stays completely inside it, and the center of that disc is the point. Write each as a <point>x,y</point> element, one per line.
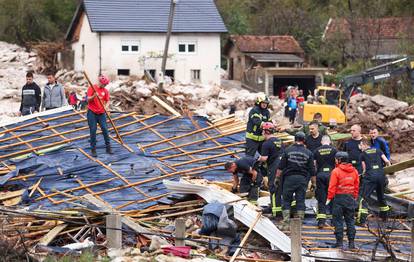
<point>372,160</point>
<point>296,166</point>
<point>272,150</point>
<point>53,93</point>
<point>317,118</point>
<point>352,147</point>
<point>324,162</point>
<point>258,115</point>
<point>251,177</point>
<point>343,192</point>
<point>313,140</point>
<point>379,142</point>
<point>31,96</point>
<point>96,113</point>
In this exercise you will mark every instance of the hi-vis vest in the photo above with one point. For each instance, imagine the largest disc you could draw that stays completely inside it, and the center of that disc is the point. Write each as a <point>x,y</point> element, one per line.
<point>256,117</point>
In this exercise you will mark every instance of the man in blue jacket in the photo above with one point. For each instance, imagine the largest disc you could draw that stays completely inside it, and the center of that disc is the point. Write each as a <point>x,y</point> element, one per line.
<point>379,142</point>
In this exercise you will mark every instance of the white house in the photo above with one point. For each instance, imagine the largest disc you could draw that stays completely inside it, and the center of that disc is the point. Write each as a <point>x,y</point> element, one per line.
<point>126,37</point>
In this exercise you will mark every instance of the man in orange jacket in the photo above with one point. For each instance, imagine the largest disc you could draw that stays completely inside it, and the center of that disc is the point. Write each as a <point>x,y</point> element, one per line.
<point>343,190</point>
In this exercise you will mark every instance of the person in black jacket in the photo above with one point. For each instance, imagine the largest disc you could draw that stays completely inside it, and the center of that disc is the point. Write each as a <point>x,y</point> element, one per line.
<point>251,177</point>
<point>258,115</point>
<point>31,96</point>
<point>324,164</point>
<point>296,166</point>
<point>272,150</point>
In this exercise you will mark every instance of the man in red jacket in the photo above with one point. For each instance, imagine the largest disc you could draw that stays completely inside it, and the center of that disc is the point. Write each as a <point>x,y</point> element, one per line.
<point>96,113</point>
<point>343,190</point>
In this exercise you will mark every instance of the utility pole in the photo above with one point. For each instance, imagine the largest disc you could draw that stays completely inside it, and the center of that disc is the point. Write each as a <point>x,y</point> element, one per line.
<point>167,42</point>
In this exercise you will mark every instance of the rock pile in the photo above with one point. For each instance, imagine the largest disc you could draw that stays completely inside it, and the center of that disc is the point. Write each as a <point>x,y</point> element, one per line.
<point>15,62</point>
<point>393,117</point>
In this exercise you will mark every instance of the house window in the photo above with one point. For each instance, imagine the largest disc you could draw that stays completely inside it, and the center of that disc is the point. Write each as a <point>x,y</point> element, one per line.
<point>123,72</point>
<point>181,48</point>
<point>170,73</point>
<point>187,47</point>
<point>125,48</point>
<point>195,75</point>
<point>152,72</point>
<point>83,55</point>
<point>130,46</point>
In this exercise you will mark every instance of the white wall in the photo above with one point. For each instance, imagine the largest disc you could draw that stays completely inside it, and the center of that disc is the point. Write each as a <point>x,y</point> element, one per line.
<point>151,46</point>
<point>91,42</point>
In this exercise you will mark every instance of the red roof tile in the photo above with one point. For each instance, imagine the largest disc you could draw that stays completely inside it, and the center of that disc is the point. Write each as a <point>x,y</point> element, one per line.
<point>384,28</point>
<point>267,44</point>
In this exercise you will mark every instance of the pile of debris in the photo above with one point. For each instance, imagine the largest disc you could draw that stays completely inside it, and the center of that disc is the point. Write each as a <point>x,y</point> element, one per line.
<point>392,117</point>
<point>15,62</point>
<point>133,94</point>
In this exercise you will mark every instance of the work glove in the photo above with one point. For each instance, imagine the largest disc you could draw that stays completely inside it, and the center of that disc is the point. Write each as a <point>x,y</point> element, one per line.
<point>327,202</point>
<point>313,188</point>
<point>234,190</point>
<point>277,181</point>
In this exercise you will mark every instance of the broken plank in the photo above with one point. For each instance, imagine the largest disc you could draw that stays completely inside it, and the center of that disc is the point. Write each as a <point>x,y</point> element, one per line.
<point>105,207</point>
<point>399,166</point>
<point>165,106</point>
<point>45,240</point>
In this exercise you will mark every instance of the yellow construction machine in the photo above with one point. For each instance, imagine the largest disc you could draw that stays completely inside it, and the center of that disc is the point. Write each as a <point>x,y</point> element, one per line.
<point>329,103</point>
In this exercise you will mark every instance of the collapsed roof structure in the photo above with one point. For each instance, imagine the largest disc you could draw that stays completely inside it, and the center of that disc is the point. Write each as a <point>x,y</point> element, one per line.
<point>49,175</point>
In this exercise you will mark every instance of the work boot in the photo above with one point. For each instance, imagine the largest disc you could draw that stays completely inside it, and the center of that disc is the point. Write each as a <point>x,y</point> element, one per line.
<point>301,215</point>
<point>351,244</point>
<point>285,225</point>
<point>321,223</point>
<point>339,244</point>
<point>109,150</point>
<point>93,152</point>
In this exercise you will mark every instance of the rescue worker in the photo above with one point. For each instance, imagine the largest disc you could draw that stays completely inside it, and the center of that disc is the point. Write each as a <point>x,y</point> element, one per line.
<point>372,160</point>
<point>343,192</point>
<point>379,142</point>
<point>31,96</point>
<point>271,152</point>
<point>251,177</point>
<point>352,147</point>
<point>324,164</point>
<point>258,115</point>
<point>317,117</point>
<point>313,140</point>
<point>296,166</point>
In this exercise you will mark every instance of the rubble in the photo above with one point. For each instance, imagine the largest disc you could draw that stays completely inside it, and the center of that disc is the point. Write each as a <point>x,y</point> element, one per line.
<point>15,62</point>
<point>392,117</point>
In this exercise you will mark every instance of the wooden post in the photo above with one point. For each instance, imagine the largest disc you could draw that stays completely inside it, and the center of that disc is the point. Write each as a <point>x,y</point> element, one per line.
<point>113,231</point>
<point>234,257</point>
<point>296,240</point>
<point>179,232</point>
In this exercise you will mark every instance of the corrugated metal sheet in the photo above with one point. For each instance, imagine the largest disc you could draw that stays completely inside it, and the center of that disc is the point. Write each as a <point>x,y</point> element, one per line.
<point>152,16</point>
<point>268,57</point>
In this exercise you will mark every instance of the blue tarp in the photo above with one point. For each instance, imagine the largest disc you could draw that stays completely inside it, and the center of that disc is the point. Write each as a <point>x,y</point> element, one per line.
<point>132,166</point>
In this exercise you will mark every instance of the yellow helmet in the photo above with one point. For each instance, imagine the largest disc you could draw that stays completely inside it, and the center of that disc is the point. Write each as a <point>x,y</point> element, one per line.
<point>262,98</point>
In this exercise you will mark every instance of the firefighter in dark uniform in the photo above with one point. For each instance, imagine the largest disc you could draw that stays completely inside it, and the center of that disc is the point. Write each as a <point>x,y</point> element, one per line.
<point>343,192</point>
<point>352,147</point>
<point>296,166</point>
<point>372,160</point>
<point>272,149</point>
<point>324,163</point>
<point>251,177</point>
<point>258,115</point>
